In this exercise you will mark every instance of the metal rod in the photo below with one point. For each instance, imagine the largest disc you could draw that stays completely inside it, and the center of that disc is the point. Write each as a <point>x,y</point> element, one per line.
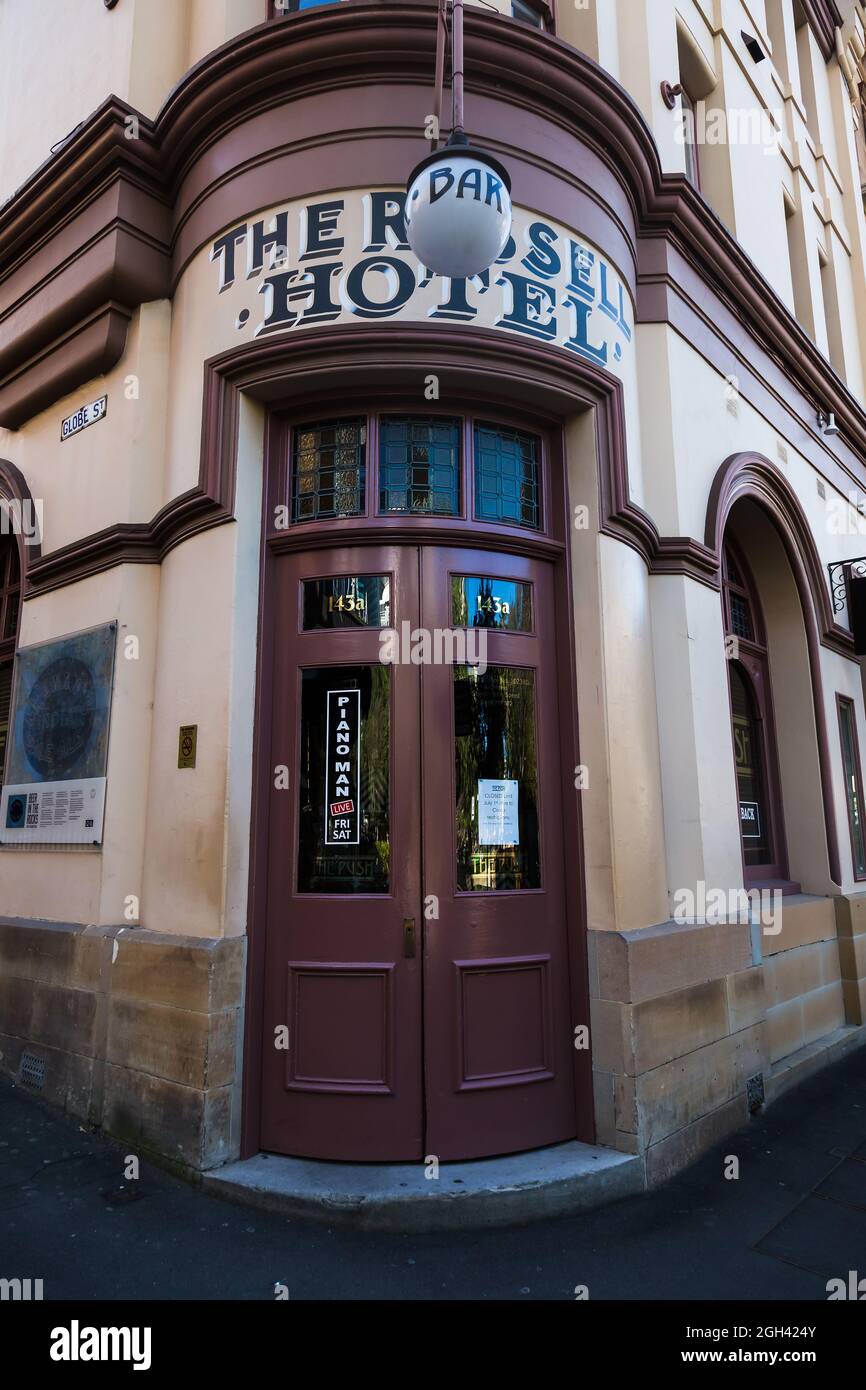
<point>441,36</point>
<point>457,68</point>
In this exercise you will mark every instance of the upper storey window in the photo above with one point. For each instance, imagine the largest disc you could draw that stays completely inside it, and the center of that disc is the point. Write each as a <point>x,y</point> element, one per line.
<point>531,13</point>
<point>534,12</point>
<point>277,8</point>
<point>690,139</point>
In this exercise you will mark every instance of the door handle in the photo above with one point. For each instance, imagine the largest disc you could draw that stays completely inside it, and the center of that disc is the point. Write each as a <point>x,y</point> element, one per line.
<point>409,938</point>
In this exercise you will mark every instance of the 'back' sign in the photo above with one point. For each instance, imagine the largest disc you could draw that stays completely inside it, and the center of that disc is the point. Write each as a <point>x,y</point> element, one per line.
<point>342,762</point>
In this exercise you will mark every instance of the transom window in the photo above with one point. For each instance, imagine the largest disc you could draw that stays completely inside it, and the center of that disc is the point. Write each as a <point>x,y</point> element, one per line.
<point>328,472</point>
<point>420,466</point>
<point>738,601</point>
<point>530,12</point>
<point>506,475</point>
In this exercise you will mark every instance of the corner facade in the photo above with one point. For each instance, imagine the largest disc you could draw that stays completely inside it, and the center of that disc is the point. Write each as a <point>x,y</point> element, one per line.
<point>622,437</point>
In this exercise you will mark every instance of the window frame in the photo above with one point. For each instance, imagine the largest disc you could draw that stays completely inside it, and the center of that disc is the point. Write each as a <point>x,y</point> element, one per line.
<point>845,704</point>
<point>9,588</point>
<point>372,518</point>
<point>546,11</point>
<point>688,106</point>
<point>754,668</point>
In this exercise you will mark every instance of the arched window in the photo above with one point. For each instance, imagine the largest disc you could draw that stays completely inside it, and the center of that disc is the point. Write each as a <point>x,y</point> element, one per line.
<point>10,605</point>
<point>754,742</point>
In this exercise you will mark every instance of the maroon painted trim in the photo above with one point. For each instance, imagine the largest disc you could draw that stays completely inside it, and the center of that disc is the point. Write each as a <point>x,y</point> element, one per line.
<point>845,702</point>
<point>755,477</point>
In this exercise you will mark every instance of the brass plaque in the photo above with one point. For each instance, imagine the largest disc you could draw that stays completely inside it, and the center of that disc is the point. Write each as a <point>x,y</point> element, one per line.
<point>186,745</point>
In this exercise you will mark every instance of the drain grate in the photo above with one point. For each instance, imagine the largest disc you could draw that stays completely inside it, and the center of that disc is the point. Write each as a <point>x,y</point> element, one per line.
<point>32,1071</point>
<point>755,1093</point>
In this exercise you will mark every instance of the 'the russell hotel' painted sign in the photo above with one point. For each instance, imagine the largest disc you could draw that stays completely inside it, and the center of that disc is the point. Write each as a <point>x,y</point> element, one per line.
<point>346,258</point>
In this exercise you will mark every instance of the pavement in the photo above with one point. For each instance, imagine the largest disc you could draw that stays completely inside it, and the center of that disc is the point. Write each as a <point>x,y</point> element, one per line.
<point>794,1218</point>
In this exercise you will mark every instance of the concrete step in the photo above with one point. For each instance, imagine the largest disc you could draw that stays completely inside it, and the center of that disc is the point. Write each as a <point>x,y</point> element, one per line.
<point>556,1181</point>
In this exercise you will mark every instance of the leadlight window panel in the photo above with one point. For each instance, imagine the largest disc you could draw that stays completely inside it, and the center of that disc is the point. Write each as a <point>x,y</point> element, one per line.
<point>734,576</point>
<point>741,617</point>
<point>507,464</point>
<point>329,463</point>
<point>419,465</point>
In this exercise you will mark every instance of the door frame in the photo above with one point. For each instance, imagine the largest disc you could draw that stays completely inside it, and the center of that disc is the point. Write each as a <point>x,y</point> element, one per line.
<point>553,545</point>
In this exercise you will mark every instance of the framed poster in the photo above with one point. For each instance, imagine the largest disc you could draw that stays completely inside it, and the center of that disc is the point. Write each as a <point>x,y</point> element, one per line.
<point>57,746</point>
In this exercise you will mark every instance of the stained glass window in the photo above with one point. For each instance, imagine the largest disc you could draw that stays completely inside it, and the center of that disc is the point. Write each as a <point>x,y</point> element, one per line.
<point>419,465</point>
<point>506,475</point>
<point>329,470</point>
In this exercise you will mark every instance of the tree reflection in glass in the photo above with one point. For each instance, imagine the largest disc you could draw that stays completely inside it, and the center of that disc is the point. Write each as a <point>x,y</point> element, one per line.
<point>494,724</point>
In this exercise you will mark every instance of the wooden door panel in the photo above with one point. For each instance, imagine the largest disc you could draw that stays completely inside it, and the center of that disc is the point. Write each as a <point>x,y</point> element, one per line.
<point>498,1031</point>
<point>337,981</point>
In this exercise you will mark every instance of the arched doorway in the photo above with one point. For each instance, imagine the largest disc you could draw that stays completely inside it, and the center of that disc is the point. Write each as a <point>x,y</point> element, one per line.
<point>752,503</point>
<point>417,986</point>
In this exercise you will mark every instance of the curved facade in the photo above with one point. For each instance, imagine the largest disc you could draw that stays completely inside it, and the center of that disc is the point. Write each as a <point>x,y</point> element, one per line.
<point>509,907</point>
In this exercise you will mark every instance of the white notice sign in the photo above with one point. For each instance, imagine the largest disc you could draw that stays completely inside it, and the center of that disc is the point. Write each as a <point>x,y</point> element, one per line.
<point>497,813</point>
<point>44,813</point>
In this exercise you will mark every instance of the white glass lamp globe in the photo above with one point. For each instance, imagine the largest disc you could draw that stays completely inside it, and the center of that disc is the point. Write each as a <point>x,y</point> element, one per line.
<point>458,211</point>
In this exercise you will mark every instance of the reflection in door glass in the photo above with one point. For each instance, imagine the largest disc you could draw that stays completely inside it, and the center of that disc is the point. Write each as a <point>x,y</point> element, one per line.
<point>496,779</point>
<point>344,822</point>
<point>352,600</point>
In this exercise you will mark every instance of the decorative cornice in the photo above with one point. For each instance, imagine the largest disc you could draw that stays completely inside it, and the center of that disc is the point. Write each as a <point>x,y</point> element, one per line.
<point>824,19</point>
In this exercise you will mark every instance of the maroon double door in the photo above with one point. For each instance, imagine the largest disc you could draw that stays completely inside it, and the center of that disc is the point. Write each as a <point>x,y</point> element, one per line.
<point>416,981</point>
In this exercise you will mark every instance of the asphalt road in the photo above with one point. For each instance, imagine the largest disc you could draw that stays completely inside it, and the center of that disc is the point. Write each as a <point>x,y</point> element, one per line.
<point>794,1218</point>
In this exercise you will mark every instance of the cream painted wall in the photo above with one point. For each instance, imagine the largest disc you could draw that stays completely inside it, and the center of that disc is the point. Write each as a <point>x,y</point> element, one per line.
<point>593,733</point>
<point>183,888</point>
<point>112,471</point>
<point>701,813</point>
<point>637,820</point>
<point>242,671</point>
<point>59,62</point>
<point>214,22</point>
<point>94,886</point>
